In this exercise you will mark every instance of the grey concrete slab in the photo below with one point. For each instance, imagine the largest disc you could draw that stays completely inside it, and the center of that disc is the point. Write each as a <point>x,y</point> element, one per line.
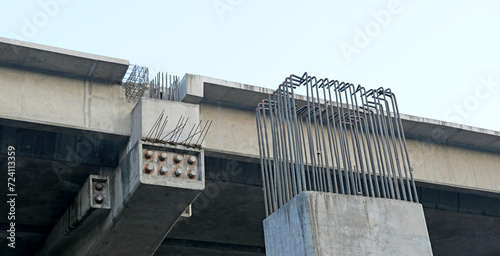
<point>474,138</point>
<point>494,144</point>
<point>450,133</point>
<point>239,97</point>
<point>57,101</point>
<point>430,132</point>
<point>59,61</point>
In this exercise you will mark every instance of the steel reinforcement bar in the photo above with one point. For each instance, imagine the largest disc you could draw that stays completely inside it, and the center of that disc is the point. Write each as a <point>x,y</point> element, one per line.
<point>336,138</point>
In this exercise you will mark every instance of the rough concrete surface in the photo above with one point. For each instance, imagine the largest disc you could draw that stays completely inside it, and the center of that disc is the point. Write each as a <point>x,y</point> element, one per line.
<point>64,102</point>
<point>317,223</point>
<point>432,162</point>
<point>67,116</point>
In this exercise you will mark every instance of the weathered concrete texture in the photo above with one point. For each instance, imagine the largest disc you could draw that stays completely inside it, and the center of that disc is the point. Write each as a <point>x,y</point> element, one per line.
<point>146,113</point>
<point>201,89</point>
<point>432,162</point>
<point>64,102</point>
<point>233,131</point>
<point>317,223</point>
<point>196,88</point>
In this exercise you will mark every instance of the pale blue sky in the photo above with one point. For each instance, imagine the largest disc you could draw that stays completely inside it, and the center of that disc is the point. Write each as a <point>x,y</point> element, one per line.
<point>440,58</point>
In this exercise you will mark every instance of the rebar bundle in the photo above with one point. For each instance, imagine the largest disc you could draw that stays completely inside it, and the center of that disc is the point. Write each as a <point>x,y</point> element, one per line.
<point>135,81</point>
<point>194,138</point>
<point>336,138</point>
<point>165,87</point>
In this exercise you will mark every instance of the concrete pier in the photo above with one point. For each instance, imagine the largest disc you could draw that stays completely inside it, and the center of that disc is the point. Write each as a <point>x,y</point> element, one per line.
<point>318,223</point>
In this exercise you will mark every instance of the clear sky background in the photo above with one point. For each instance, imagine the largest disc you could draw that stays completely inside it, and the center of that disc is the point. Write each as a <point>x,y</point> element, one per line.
<point>441,58</point>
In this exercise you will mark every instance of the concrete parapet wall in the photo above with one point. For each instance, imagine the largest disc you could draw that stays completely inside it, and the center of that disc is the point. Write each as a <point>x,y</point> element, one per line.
<point>318,223</point>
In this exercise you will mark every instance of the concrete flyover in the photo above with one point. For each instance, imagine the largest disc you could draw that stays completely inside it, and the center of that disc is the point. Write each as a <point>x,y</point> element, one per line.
<point>66,114</point>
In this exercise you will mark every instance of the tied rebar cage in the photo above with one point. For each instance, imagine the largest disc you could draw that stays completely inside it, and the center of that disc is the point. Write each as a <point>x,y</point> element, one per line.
<point>336,138</point>
<point>135,81</point>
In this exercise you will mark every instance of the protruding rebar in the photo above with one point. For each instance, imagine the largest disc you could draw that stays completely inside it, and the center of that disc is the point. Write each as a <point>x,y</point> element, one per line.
<point>336,138</point>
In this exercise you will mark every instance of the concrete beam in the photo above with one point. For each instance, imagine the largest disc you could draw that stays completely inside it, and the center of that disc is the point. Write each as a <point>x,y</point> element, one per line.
<point>61,104</point>
<point>201,89</point>
<point>432,162</point>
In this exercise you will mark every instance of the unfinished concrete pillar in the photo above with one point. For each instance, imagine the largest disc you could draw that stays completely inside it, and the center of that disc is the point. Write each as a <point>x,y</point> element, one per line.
<point>148,192</point>
<point>319,223</point>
